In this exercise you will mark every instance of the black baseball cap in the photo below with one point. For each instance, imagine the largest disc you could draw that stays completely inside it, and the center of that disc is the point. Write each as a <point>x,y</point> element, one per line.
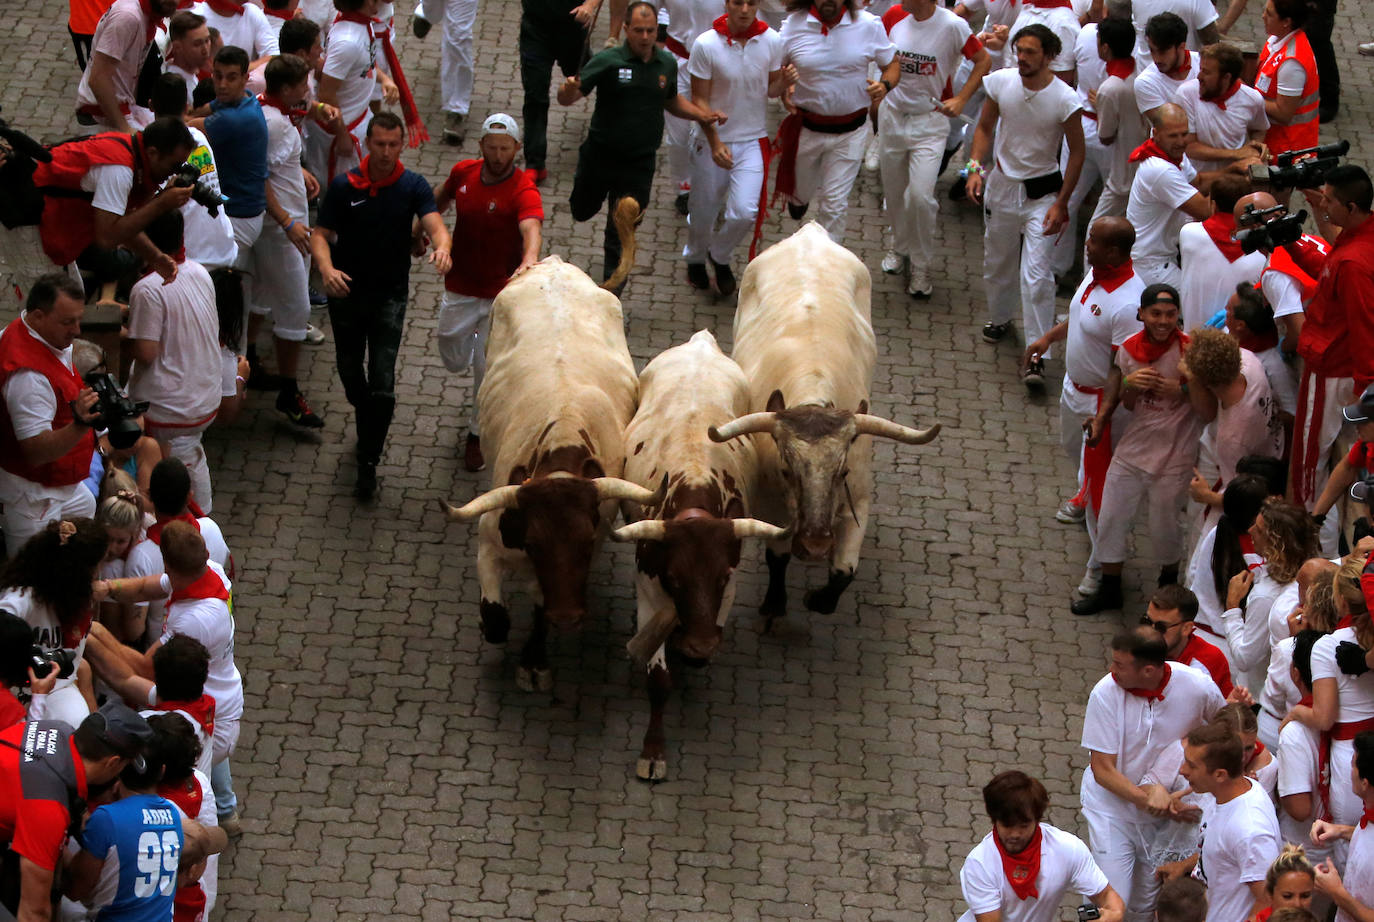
<point>1363,411</point>
<point>123,730</point>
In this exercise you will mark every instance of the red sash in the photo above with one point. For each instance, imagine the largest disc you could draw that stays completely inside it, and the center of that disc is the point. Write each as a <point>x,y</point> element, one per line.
<point>766,147</point>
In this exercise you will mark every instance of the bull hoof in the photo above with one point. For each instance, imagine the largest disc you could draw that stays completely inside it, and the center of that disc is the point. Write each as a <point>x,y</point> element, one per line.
<point>652,769</point>
<point>495,622</point>
<point>535,679</point>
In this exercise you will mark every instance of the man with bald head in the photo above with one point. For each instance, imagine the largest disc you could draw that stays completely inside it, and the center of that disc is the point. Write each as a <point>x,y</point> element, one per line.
<point>1286,287</point>
<point>1164,196</point>
<point>1101,317</point>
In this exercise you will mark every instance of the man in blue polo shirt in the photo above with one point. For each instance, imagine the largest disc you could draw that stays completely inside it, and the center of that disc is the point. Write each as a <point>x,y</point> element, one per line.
<point>361,243</point>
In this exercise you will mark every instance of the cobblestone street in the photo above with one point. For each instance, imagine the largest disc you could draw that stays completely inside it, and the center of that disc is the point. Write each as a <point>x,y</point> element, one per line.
<point>390,768</point>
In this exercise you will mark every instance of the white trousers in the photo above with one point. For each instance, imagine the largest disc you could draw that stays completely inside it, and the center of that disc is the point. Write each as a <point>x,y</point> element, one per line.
<point>1159,273</point>
<point>1125,487</point>
<point>279,282</point>
<point>679,135</point>
<point>29,508</point>
<point>909,151</point>
<point>827,165</point>
<point>1118,847</point>
<point>731,195</point>
<point>1015,243</point>
<point>1320,440</point>
<point>1095,166</point>
<point>67,704</point>
<point>455,63</point>
<point>462,331</point>
<point>187,449</point>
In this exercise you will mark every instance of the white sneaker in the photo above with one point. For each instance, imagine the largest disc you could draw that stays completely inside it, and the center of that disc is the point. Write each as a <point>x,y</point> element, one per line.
<point>871,155</point>
<point>919,285</point>
<point>314,336</point>
<point>893,263</point>
<point>1366,47</point>
<point>1092,581</point>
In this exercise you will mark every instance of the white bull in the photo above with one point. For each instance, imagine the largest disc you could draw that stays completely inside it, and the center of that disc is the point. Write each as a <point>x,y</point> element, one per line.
<point>804,338</point>
<point>559,390</point>
<point>689,546</point>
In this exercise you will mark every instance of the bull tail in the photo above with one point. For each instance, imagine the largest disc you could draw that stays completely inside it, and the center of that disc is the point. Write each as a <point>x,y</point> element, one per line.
<point>626,218</point>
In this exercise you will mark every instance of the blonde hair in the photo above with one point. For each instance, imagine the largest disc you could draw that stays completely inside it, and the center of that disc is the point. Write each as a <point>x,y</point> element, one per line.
<point>1241,719</point>
<point>1345,585</point>
<point>1292,859</point>
<point>119,505</point>
<point>1319,608</point>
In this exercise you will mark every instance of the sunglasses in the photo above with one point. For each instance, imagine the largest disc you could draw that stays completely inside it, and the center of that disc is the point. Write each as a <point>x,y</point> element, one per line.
<point>1160,626</point>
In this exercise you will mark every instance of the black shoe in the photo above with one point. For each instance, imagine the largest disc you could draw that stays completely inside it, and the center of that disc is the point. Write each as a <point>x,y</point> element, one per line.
<point>995,332</point>
<point>797,212</point>
<point>261,380</point>
<point>1168,576</point>
<point>298,411</point>
<point>725,278</point>
<point>1107,597</point>
<point>681,203</point>
<point>1327,114</point>
<point>957,191</point>
<point>366,487</point>
<point>944,160</point>
<point>420,26</point>
<point>472,454</point>
<point>1033,376</point>
<point>697,277</point>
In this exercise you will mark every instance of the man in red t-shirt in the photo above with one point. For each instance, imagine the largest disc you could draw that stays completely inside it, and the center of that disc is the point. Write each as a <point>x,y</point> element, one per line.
<point>1172,612</point>
<point>1358,462</point>
<point>46,772</point>
<point>496,236</point>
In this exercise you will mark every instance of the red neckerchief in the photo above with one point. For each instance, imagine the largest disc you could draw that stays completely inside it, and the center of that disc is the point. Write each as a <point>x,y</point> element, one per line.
<point>1257,344</point>
<point>1220,101</point>
<point>150,21</point>
<point>1122,67</point>
<point>1259,751</point>
<point>1109,279</point>
<point>1023,867</point>
<point>202,711</point>
<point>1143,349</point>
<point>226,7</point>
<point>1184,67</point>
<point>722,25</point>
<point>295,115</point>
<point>1151,149</point>
<point>207,586</point>
<point>1346,621</point>
<point>1155,694</point>
<point>285,15</point>
<point>72,634</point>
<point>359,178</point>
<point>1220,227</point>
<point>1366,816</point>
<point>1050,4</point>
<point>155,532</point>
<point>361,20</point>
<point>826,26</point>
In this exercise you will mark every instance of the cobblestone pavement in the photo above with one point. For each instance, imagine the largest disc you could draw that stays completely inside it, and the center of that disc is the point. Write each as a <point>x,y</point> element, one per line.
<point>389,766</point>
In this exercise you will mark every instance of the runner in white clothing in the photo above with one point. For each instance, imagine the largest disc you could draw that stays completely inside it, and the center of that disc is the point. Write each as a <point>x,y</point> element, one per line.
<point>350,79</point>
<point>242,25</point>
<point>1163,197</point>
<point>1120,128</point>
<point>735,67</point>
<point>1025,204</point>
<point>1173,64</point>
<point>1353,896</point>
<point>1089,72</point>
<point>687,20</point>
<point>1199,18</point>
<point>912,127</point>
<point>1022,869</point>
<point>1226,120</point>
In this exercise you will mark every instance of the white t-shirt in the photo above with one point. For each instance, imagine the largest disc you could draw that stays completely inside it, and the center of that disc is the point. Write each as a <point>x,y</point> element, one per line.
<point>1157,195</point>
<point>1209,278</point>
<point>210,622</point>
<point>930,53</point>
<point>1282,291</point>
<point>1062,22</point>
<point>47,630</point>
<point>1066,865</point>
<point>204,762</point>
<point>1119,119</point>
<point>1280,694</point>
<point>1197,14</point>
<point>1355,694</point>
<point>1153,89</point>
<point>284,163</point>
<point>121,34</point>
<point>350,58</point>
<point>1030,126</point>
<point>1240,839</point>
<point>1092,70</point>
<point>1291,77</point>
<point>1359,870</point>
<point>1283,379</point>
<point>689,19</point>
<point>1136,730</point>
<point>209,240</point>
<point>1227,128</point>
<point>1251,426</point>
<point>191,80</point>
<point>995,13</point>
<point>145,559</point>
<point>738,72</point>
<point>182,385</point>
<point>249,30</point>
<point>833,68</point>
<point>109,185</point>
<point>1299,749</point>
<point>1099,320</point>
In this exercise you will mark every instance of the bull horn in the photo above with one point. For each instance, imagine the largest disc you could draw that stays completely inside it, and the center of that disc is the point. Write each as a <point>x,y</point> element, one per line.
<point>490,501</point>
<point>744,425</point>
<point>608,488</point>
<point>757,528</point>
<point>887,429</point>
<point>643,530</point>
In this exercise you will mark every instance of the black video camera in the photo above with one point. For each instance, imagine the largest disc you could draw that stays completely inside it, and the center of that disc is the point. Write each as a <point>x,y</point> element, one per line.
<point>188,176</point>
<point>1301,169</point>
<point>117,413</point>
<point>43,661</point>
<point>1268,228</point>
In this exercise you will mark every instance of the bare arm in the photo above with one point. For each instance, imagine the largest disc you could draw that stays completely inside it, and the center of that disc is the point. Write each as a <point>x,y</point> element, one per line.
<point>685,108</point>
<point>1110,904</point>
<point>1210,35</point>
<point>441,243</point>
<point>1058,216</point>
<point>35,892</point>
<point>81,875</point>
<point>1199,207</point>
<point>1298,806</point>
<point>1106,773</point>
<point>982,146</point>
<point>103,68</point>
<point>532,238</point>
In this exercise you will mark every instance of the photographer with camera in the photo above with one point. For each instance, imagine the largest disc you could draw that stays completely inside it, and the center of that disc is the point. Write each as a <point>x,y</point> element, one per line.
<point>1337,339</point>
<point>47,774</point>
<point>19,659</point>
<point>47,416</point>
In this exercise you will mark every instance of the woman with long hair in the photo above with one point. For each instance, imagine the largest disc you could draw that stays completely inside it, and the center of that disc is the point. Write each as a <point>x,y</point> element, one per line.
<point>120,512</point>
<point>1316,612</point>
<point>48,584</point>
<point>1223,551</point>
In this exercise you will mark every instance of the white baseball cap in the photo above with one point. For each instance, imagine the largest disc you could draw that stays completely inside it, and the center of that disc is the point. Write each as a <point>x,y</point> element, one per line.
<point>501,123</point>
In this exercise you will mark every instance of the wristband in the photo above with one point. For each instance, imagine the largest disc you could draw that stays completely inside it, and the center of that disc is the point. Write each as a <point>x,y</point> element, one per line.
<point>973,166</point>
<point>287,227</point>
<point>886,86</point>
<point>1183,388</point>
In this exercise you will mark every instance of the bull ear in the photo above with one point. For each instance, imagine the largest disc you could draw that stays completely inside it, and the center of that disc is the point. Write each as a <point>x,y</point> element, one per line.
<point>512,528</point>
<point>592,469</point>
<point>735,508</point>
<point>649,558</point>
<point>519,474</point>
<point>863,406</point>
<point>775,402</point>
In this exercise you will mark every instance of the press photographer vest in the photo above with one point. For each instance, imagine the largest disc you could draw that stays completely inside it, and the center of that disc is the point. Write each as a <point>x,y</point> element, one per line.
<point>67,227</point>
<point>1303,130</point>
<point>18,350</point>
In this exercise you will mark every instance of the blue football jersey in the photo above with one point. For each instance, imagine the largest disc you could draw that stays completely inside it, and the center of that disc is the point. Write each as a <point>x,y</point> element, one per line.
<point>140,839</point>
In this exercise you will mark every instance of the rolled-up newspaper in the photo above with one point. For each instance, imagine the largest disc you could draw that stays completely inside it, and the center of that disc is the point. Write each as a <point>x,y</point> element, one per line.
<point>966,119</point>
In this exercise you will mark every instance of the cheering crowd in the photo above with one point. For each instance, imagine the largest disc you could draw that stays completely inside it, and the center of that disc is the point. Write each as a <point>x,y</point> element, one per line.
<point>240,166</point>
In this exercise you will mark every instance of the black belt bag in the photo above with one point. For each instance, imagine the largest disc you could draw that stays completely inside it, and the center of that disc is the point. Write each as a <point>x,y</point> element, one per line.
<point>1038,187</point>
<point>858,121</point>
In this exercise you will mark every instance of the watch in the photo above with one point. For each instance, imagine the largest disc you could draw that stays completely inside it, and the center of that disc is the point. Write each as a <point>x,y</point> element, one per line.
<point>886,86</point>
